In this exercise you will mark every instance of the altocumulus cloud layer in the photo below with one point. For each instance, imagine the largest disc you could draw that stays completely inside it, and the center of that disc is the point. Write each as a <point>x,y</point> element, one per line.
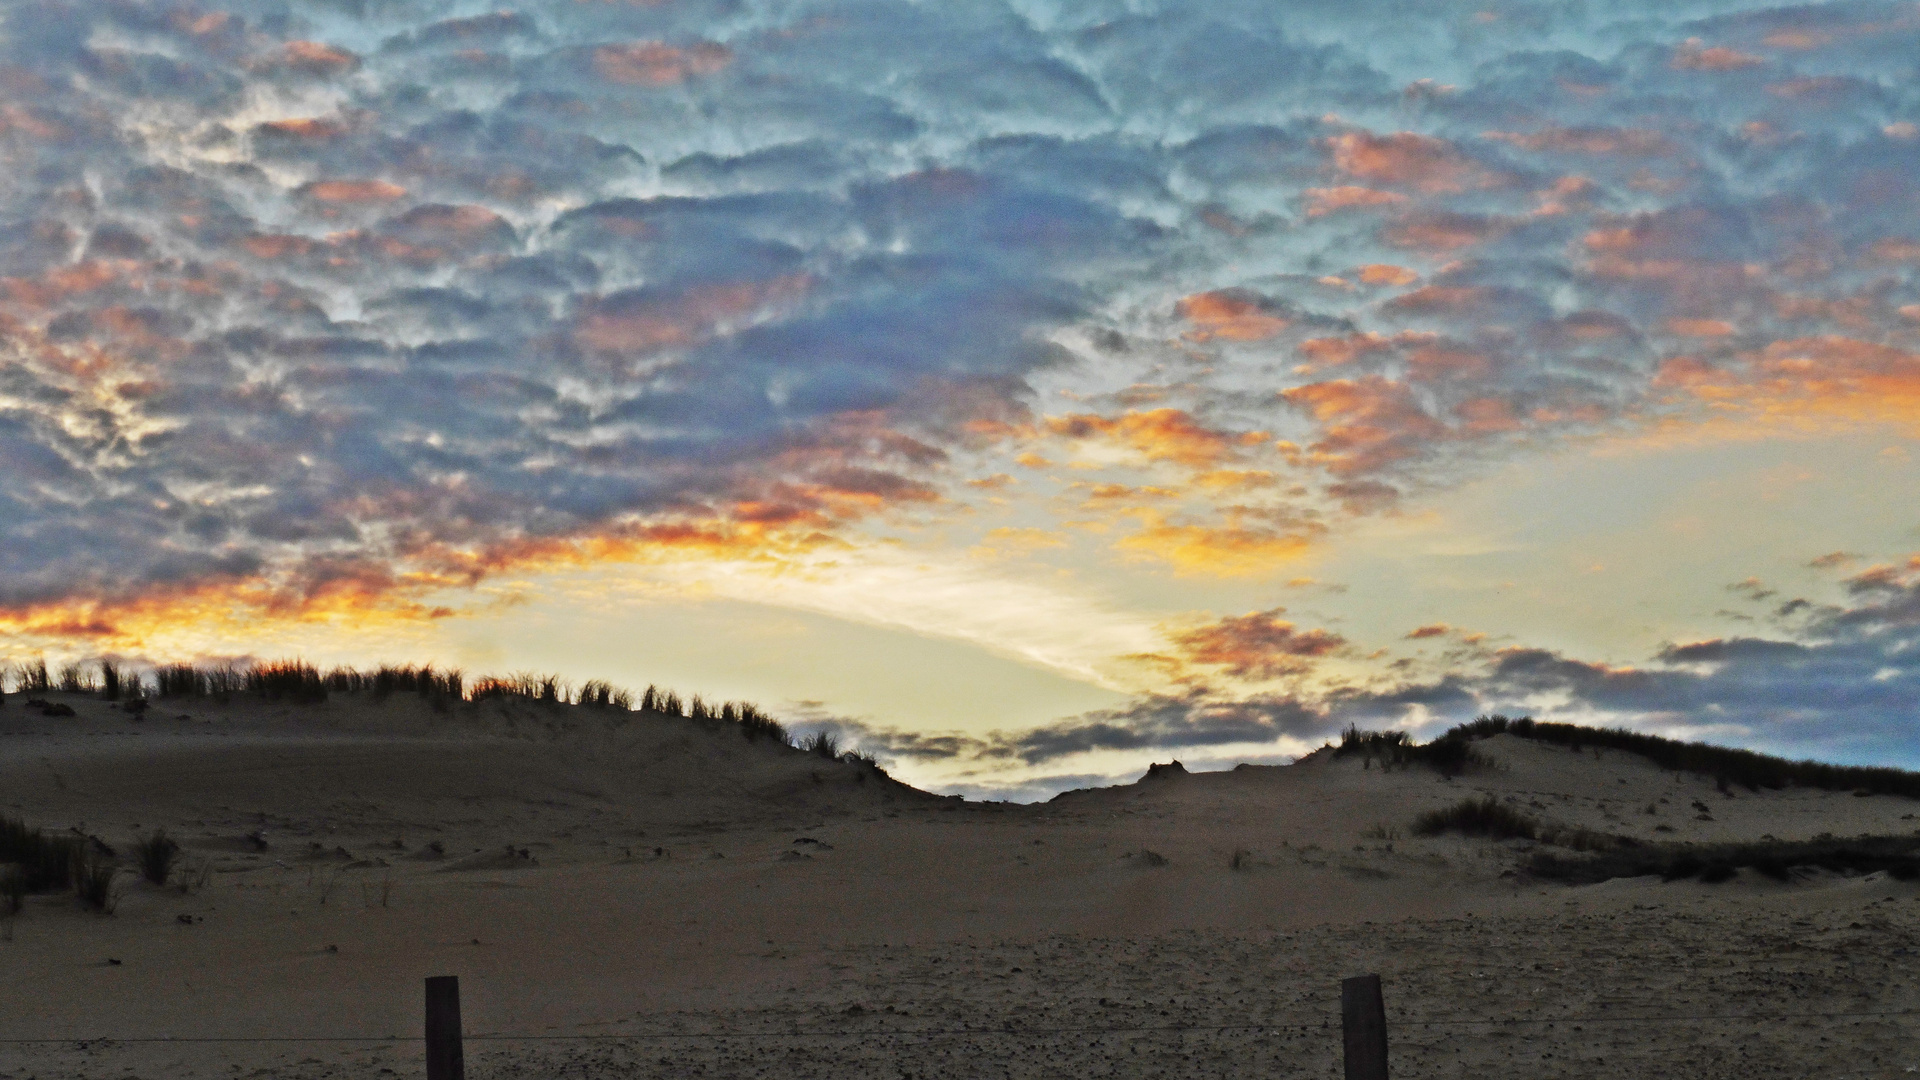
<point>320,302</point>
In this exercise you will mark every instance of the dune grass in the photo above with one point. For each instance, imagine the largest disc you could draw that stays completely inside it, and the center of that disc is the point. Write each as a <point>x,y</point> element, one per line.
<point>44,862</point>
<point>1447,755</point>
<point>1899,856</point>
<point>1727,765</point>
<point>1492,818</point>
<point>303,683</point>
<point>1478,817</point>
<point>155,855</point>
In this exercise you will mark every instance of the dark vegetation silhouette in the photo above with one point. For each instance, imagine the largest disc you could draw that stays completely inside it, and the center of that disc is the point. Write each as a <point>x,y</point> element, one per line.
<point>155,855</point>
<point>1727,765</point>
<point>1496,820</point>
<point>442,688</point>
<point>42,863</point>
<point>1452,754</point>
<point>1447,755</point>
<point>1780,860</point>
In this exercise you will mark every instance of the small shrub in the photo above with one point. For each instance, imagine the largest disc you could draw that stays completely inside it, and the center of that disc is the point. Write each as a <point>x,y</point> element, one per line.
<point>1478,817</point>
<point>1241,859</point>
<point>155,855</point>
<point>110,680</point>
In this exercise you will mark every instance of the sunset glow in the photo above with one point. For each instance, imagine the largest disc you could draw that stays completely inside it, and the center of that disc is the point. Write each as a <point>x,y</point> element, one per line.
<point>1024,392</point>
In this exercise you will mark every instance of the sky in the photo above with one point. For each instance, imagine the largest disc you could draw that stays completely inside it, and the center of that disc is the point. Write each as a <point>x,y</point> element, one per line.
<point>1024,391</point>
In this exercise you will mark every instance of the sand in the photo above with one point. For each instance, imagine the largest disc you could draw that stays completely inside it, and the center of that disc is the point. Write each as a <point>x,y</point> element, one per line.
<point>636,896</point>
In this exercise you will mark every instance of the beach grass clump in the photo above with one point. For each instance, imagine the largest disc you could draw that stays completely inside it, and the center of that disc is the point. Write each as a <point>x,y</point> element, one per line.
<point>823,743</point>
<point>13,890</point>
<point>75,679</point>
<point>1478,817</point>
<point>43,862</point>
<point>93,874</point>
<point>32,678</point>
<point>154,854</point>
<point>1727,765</point>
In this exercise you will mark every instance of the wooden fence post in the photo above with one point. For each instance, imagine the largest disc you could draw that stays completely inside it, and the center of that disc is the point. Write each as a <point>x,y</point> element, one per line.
<point>445,1059</point>
<point>1363,1025</point>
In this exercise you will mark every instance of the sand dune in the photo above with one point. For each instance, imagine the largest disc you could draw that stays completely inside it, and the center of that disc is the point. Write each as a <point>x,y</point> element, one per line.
<point>703,905</point>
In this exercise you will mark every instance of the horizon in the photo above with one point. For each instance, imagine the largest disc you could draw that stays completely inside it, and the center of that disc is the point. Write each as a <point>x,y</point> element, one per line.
<point>1023,392</point>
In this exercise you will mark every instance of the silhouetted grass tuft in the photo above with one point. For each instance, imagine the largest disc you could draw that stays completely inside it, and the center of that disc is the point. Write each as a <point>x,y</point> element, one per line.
<point>93,874</point>
<point>1727,765</point>
<point>155,855</point>
<point>75,679</point>
<point>822,742</point>
<point>292,679</point>
<point>441,689</point>
<point>1447,755</point>
<point>32,678</point>
<point>1899,856</point>
<point>111,679</point>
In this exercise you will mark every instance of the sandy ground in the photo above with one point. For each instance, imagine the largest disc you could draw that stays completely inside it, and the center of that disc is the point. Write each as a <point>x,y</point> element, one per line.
<point>639,897</point>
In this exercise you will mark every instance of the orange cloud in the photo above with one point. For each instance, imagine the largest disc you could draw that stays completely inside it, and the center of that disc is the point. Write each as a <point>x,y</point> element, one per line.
<point>1369,423</point>
<point>1232,550</point>
<point>1803,382</point>
<point>353,191</point>
<point>1693,56</point>
<point>1609,142</point>
<point>1336,351</point>
<point>1258,645</point>
<point>655,63</point>
<point>1159,435</point>
<point>1705,328</point>
<point>1438,298</point>
<point>313,58</point>
<point>1324,201</point>
<point>1897,249</point>
<point>1387,274</point>
<point>1229,314</point>
<point>316,128</point>
<point>1797,39</point>
<point>1406,159</point>
<point>1432,630</point>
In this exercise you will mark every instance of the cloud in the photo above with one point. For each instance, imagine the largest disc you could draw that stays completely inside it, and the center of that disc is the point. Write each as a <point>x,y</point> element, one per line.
<point>1169,435</point>
<point>321,308</point>
<point>1258,645</point>
<point>1841,688</point>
